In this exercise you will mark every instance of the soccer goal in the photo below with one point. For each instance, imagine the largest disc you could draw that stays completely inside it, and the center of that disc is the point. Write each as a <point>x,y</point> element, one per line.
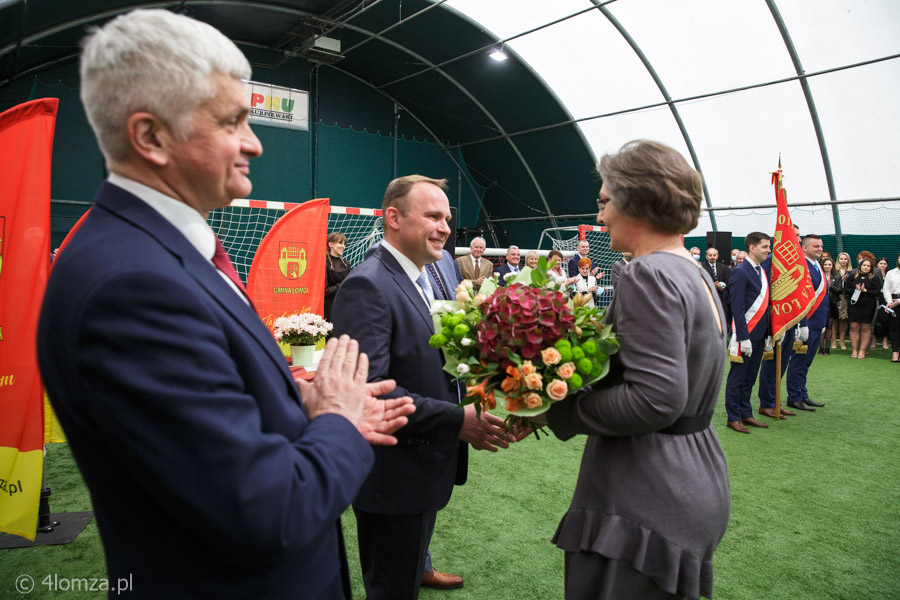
<point>244,224</point>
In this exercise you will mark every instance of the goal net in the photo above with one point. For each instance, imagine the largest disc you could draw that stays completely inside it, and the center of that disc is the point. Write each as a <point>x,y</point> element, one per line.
<point>244,224</point>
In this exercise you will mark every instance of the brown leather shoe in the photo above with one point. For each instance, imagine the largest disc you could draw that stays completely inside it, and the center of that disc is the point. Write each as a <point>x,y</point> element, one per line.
<point>788,413</point>
<point>441,581</point>
<point>753,422</point>
<point>737,426</point>
<point>767,412</point>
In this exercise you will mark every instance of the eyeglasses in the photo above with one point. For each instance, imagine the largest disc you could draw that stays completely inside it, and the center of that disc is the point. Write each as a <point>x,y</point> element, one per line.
<point>602,202</point>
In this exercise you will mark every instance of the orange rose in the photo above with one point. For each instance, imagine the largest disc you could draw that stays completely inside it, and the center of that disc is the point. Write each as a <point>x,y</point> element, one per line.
<point>557,389</point>
<point>566,370</point>
<point>533,400</point>
<point>527,368</point>
<point>534,381</point>
<point>550,356</point>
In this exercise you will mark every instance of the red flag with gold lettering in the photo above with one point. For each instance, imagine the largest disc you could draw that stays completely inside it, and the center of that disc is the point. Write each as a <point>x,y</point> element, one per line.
<point>26,149</point>
<point>287,275</point>
<point>791,293</point>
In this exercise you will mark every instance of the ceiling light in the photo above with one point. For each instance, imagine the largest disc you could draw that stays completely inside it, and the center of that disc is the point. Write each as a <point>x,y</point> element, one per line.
<point>498,53</point>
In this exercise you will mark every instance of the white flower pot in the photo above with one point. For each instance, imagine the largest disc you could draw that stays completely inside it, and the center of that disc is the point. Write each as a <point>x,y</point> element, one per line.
<point>302,356</point>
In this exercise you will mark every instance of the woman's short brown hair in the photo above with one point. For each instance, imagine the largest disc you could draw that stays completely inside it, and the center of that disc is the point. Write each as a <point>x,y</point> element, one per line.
<point>650,181</point>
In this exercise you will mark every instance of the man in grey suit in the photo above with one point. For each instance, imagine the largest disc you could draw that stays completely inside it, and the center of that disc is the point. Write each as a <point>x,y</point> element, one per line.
<point>397,504</point>
<point>475,266</point>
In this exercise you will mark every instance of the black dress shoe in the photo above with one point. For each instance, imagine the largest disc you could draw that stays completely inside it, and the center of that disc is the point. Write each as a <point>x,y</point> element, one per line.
<point>811,403</point>
<point>801,406</point>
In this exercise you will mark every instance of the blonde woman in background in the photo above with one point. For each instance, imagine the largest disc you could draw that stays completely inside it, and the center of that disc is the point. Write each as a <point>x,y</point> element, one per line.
<point>841,322</point>
<point>531,259</point>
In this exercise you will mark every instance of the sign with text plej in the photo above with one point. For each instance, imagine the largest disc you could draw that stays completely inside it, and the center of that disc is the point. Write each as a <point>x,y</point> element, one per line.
<point>277,106</point>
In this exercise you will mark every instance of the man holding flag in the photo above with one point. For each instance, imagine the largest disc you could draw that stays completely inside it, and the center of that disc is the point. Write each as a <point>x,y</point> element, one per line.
<point>791,298</point>
<point>816,321</point>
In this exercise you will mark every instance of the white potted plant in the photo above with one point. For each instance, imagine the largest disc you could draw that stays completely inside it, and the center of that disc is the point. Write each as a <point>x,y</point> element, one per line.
<point>302,332</point>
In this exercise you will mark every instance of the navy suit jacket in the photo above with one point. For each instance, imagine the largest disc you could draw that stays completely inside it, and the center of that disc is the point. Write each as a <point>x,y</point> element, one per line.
<point>207,477</point>
<point>818,319</point>
<point>743,288</point>
<point>449,272</point>
<point>393,327</point>
<point>504,270</point>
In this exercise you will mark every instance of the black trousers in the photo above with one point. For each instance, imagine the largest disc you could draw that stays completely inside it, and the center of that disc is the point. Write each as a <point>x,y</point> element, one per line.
<point>392,553</point>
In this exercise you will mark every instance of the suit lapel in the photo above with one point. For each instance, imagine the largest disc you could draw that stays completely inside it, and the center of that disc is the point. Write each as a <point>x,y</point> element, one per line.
<point>142,216</point>
<point>409,289</point>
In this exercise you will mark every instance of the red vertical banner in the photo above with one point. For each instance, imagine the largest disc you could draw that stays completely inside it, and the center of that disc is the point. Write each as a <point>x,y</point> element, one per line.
<point>288,271</point>
<point>791,292</point>
<point>26,149</point>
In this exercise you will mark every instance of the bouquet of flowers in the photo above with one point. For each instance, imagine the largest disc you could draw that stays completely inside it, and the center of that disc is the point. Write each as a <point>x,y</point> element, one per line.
<point>527,344</point>
<point>304,329</point>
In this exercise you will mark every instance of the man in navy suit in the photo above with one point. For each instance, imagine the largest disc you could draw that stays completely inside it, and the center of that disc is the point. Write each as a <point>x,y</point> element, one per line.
<point>397,505</point>
<point>816,321</point>
<point>510,266</point>
<point>749,309</point>
<point>581,251</point>
<point>211,474</point>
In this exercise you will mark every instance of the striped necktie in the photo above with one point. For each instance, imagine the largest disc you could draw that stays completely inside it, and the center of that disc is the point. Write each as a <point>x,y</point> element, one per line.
<point>440,285</point>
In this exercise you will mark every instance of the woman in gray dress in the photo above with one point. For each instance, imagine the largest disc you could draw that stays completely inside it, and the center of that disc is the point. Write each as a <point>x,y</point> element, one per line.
<point>652,499</point>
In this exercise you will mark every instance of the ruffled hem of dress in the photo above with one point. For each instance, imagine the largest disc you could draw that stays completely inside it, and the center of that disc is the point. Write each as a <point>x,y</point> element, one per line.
<point>674,569</point>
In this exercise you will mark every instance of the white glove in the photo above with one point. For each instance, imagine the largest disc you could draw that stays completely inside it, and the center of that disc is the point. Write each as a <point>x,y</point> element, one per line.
<point>746,347</point>
<point>769,346</point>
<point>803,333</point>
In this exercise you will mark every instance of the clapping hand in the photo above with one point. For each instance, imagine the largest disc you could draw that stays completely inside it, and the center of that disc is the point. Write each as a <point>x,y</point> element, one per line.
<point>340,388</point>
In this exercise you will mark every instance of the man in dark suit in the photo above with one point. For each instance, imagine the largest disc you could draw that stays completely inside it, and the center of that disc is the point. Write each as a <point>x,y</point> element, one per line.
<point>815,322</point>
<point>717,270</point>
<point>210,475</point>
<point>749,298</point>
<point>619,266</point>
<point>475,266</point>
<point>510,266</point>
<point>581,251</point>
<point>397,505</point>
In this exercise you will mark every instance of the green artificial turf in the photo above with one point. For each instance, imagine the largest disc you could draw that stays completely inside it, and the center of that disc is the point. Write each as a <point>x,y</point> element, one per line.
<point>815,507</point>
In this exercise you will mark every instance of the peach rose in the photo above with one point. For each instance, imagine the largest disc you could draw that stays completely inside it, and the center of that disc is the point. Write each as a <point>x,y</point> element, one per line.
<point>479,299</point>
<point>534,381</point>
<point>533,400</point>
<point>462,296</point>
<point>557,389</point>
<point>567,370</point>
<point>527,368</point>
<point>550,356</point>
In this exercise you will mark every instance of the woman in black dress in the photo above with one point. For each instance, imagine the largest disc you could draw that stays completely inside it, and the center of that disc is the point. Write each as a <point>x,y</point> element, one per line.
<point>336,268</point>
<point>862,310</point>
<point>831,277</point>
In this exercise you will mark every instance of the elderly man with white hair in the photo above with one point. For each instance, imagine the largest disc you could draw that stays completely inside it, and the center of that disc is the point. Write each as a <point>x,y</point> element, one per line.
<point>474,266</point>
<point>212,475</point>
